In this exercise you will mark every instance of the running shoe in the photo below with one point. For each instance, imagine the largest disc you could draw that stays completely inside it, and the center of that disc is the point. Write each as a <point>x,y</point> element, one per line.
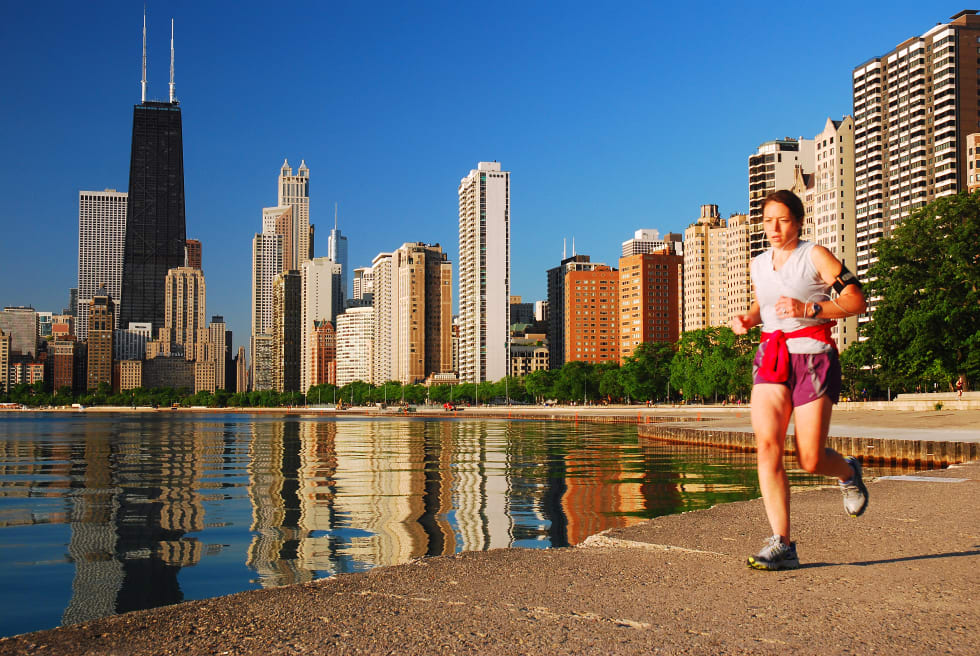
<point>775,555</point>
<point>855,493</point>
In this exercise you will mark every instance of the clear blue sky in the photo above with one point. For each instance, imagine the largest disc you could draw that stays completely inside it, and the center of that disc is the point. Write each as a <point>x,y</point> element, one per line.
<point>610,116</point>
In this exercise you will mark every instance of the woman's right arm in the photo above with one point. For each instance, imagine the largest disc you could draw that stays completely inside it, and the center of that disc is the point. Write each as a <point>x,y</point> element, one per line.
<point>741,323</point>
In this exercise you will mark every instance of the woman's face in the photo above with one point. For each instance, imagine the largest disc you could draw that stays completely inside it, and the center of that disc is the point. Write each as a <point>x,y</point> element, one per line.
<point>781,227</point>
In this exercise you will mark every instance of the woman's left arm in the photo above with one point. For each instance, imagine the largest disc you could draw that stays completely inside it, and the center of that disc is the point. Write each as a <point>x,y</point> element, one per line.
<point>851,299</point>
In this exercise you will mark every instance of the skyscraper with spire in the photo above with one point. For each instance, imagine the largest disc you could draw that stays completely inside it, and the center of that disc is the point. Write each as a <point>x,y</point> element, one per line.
<point>337,251</point>
<point>155,222</point>
<point>294,192</point>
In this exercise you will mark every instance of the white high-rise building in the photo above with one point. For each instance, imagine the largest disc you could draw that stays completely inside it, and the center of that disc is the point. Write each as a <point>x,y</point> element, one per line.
<point>914,108</point>
<point>385,318</point>
<point>773,167</point>
<point>484,273</point>
<point>294,191</point>
<point>363,283</point>
<point>649,241</point>
<point>101,241</point>
<point>279,220</point>
<point>321,297</point>
<point>337,251</point>
<point>266,265</point>
<point>355,330</point>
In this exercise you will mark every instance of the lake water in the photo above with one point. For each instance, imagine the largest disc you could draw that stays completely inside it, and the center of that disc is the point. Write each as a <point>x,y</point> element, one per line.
<point>108,513</point>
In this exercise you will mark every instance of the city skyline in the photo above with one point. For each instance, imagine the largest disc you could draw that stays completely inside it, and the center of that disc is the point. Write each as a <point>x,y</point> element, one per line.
<point>586,95</point>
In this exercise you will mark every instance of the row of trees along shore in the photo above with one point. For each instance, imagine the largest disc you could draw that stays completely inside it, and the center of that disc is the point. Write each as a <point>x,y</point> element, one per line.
<point>924,335</point>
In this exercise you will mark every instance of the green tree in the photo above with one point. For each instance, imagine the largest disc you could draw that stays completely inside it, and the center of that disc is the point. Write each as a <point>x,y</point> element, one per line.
<point>645,373</point>
<point>539,384</point>
<point>610,381</point>
<point>926,324</point>
<point>574,382</point>
<point>713,363</point>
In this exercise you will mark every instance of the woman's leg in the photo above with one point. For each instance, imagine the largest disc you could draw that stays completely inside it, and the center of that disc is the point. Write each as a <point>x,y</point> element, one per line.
<point>812,424</point>
<point>771,409</point>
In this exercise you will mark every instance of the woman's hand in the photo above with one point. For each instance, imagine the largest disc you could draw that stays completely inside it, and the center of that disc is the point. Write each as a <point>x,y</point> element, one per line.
<point>787,307</point>
<point>741,323</point>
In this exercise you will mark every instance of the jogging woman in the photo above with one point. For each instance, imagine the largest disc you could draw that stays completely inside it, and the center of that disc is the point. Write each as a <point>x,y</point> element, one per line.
<point>796,369</point>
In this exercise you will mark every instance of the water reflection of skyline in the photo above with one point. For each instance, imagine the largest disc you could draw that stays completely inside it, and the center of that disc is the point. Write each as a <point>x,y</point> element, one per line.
<point>148,500</point>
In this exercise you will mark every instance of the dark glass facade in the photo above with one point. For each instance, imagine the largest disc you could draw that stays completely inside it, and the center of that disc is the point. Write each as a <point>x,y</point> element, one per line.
<point>155,223</point>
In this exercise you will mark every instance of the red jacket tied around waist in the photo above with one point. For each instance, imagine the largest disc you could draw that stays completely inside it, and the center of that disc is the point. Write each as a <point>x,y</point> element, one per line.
<point>775,358</point>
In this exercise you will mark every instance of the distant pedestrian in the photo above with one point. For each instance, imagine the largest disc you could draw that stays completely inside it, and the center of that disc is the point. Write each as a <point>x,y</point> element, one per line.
<point>796,369</point>
<point>959,388</point>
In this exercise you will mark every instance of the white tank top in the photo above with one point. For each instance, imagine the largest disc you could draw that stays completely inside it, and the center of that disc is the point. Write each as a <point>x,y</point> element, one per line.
<point>798,278</point>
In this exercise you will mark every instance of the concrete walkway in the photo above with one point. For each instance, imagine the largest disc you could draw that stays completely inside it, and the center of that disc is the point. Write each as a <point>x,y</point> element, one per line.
<point>902,579</point>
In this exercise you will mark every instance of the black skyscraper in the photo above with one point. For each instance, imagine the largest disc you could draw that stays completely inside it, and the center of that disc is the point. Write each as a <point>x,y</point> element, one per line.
<point>155,226</point>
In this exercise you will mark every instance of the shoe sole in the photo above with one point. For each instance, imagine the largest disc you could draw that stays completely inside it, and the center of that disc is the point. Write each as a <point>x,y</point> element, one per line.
<point>861,486</point>
<point>772,567</point>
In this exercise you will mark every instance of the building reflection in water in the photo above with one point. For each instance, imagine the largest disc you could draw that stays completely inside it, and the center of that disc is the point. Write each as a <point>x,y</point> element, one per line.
<point>303,498</point>
<point>133,498</point>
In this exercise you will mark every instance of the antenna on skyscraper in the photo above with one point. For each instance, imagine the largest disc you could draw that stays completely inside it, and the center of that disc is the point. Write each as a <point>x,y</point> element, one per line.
<point>564,248</point>
<point>335,216</point>
<point>171,61</point>
<point>143,81</point>
<point>573,246</point>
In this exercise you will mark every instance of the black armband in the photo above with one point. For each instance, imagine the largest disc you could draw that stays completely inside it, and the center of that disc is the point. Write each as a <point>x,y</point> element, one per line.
<point>845,278</point>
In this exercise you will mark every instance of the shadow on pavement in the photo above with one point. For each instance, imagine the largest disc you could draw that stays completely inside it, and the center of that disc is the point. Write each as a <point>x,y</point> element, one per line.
<point>866,563</point>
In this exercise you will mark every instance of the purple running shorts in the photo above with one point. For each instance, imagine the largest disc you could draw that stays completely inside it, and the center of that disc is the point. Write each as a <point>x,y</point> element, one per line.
<point>811,375</point>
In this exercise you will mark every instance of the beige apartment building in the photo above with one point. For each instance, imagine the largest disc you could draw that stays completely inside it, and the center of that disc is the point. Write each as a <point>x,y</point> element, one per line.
<point>423,301</point>
<point>294,192</point>
<point>914,108</point>
<point>834,205</point>
<point>185,317</point>
<point>101,327</point>
<point>705,271</point>
<point>738,256</point>
<point>384,317</point>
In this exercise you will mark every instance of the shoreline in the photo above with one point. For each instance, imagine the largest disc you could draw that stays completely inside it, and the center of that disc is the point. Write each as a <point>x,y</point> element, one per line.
<point>673,584</point>
<point>584,599</point>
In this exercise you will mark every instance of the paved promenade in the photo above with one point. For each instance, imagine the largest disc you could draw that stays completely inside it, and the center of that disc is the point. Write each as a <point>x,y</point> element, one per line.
<point>902,579</point>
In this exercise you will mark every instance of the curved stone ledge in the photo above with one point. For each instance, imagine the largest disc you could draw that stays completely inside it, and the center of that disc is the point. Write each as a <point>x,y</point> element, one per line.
<point>918,453</point>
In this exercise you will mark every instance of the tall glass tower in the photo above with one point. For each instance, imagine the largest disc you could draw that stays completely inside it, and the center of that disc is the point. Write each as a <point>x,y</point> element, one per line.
<point>155,222</point>
<point>337,251</point>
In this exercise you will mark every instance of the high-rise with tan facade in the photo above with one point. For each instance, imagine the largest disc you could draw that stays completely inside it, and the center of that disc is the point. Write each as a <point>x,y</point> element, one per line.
<point>321,298</point>
<point>267,253</point>
<point>649,299</point>
<point>737,257</point>
<point>101,242</point>
<point>294,192</point>
<point>101,326</point>
<point>914,108</point>
<point>185,314</point>
<point>706,271</point>
<point>422,298</point>
<point>279,221</point>
<point>484,273</point>
<point>384,317</point>
<point>592,315</point>
<point>834,205</point>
